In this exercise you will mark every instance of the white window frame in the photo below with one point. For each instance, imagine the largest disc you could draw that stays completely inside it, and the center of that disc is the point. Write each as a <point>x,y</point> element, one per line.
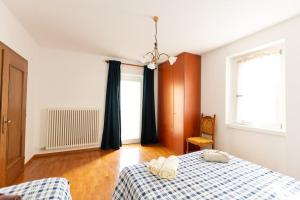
<point>231,91</point>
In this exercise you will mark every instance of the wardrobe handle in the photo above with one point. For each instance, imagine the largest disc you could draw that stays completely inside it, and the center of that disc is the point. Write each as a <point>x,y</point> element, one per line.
<point>7,121</point>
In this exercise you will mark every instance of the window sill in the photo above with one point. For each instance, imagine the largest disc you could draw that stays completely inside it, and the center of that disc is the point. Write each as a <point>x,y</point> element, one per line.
<point>257,130</point>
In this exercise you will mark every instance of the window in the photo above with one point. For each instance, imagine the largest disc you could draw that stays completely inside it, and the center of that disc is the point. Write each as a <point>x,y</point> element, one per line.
<point>256,96</point>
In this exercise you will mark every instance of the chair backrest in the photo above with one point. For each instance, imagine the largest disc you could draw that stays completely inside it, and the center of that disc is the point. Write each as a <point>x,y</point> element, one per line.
<point>208,125</point>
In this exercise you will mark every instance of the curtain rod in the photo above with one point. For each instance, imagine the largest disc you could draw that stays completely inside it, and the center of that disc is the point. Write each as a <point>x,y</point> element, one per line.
<point>107,61</point>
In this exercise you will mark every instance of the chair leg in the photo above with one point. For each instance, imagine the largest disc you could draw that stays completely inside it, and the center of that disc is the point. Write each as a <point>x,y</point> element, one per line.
<point>187,147</point>
<point>213,146</point>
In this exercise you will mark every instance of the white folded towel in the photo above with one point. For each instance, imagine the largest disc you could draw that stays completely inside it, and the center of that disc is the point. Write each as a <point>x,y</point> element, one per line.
<point>169,168</point>
<point>155,165</point>
<point>164,167</point>
<point>216,156</point>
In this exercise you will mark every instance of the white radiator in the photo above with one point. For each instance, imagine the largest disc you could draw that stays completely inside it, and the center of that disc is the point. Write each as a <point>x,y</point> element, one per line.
<point>72,128</point>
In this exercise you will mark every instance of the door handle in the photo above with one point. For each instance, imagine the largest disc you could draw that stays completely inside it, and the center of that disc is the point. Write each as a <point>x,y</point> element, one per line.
<point>3,124</point>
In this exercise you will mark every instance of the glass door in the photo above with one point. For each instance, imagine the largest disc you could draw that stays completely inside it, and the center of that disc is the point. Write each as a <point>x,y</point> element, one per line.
<point>131,108</point>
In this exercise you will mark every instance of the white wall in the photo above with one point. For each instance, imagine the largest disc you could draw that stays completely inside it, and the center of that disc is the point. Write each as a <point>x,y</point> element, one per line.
<point>72,79</point>
<point>275,152</point>
<point>69,79</point>
<point>16,37</point>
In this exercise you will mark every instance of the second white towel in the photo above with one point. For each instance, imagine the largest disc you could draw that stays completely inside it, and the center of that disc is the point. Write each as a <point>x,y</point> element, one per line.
<point>155,165</point>
<point>169,168</point>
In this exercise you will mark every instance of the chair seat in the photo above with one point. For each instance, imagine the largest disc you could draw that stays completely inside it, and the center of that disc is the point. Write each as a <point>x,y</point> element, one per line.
<point>200,141</point>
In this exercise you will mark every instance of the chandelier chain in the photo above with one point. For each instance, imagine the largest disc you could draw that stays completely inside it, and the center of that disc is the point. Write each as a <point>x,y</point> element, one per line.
<point>155,54</point>
<point>156,34</point>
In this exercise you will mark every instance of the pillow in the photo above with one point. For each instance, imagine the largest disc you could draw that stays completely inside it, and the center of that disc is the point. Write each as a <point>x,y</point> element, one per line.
<point>216,156</point>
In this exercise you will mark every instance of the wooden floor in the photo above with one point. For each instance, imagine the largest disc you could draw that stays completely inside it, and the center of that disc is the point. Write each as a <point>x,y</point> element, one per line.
<point>92,175</point>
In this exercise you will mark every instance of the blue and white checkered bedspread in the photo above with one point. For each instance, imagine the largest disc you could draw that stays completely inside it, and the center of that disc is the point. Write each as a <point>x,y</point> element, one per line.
<point>198,179</point>
<point>48,188</point>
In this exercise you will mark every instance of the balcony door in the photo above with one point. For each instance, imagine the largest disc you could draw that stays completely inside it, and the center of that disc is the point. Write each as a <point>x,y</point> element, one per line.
<point>131,108</point>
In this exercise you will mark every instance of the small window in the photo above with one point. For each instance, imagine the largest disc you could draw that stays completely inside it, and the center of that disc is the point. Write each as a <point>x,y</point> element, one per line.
<point>256,96</point>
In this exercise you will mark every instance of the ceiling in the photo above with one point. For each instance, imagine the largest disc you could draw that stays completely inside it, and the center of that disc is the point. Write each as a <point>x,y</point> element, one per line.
<point>124,28</point>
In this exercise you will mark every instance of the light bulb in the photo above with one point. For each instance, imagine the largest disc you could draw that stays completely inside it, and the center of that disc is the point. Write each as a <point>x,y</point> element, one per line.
<point>151,66</point>
<point>172,60</point>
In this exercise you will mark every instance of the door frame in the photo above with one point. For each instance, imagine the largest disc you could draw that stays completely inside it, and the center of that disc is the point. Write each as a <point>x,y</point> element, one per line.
<point>137,78</point>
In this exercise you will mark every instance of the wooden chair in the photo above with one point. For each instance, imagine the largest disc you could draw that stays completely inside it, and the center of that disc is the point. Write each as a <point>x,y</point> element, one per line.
<point>207,128</point>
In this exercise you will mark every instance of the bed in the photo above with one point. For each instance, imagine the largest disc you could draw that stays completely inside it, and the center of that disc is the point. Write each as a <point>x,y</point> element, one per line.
<point>198,179</point>
<point>46,189</point>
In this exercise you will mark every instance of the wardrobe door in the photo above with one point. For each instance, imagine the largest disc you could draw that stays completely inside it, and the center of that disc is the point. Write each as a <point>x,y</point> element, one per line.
<point>165,105</point>
<point>1,63</point>
<point>192,98</point>
<point>2,139</point>
<point>13,109</point>
<point>178,102</point>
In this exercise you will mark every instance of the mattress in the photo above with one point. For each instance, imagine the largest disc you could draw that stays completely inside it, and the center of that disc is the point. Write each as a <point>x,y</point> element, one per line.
<point>199,179</point>
<point>49,188</point>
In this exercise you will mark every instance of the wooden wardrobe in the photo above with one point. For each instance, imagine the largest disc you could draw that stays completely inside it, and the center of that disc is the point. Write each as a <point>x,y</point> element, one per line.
<point>179,101</point>
<point>13,84</point>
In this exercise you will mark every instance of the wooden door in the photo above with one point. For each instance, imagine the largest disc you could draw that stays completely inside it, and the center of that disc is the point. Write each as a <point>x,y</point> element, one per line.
<point>13,114</point>
<point>192,99</point>
<point>165,105</point>
<point>178,114</point>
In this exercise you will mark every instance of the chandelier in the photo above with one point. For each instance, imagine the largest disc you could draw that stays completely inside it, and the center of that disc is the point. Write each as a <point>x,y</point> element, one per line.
<point>153,58</point>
